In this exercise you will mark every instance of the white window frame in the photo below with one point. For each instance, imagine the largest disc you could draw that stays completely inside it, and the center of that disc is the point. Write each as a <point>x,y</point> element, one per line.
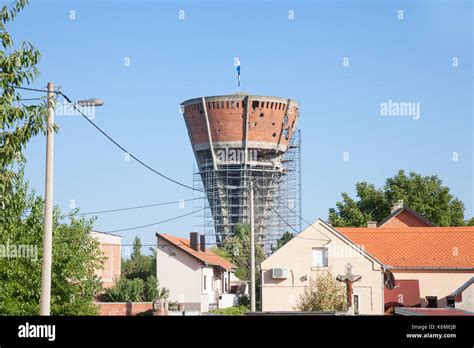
<point>325,257</point>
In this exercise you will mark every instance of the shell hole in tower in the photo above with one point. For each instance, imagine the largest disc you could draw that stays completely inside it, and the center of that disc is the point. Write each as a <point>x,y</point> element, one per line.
<point>261,114</point>
<point>274,135</point>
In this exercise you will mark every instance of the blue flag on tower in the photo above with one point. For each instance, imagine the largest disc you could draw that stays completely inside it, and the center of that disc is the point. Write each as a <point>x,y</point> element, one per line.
<point>237,65</point>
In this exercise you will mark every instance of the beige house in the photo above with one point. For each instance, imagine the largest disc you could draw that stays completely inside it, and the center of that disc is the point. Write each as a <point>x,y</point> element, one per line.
<point>320,248</point>
<point>434,264</point>
<point>196,277</point>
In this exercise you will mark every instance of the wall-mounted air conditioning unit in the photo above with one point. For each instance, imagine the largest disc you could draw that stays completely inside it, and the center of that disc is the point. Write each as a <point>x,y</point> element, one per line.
<point>279,273</point>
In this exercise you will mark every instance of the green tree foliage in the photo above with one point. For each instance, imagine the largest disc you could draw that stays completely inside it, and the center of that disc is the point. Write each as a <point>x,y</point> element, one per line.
<point>126,290</point>
<point>76,257</point>
<point>470,222</point>
<point>285,238</point>
<point>136,290</point>
<point>424,194</point>
<point>222,253</point>
<point>139,265</point>
<point>237,247</point>
<point>19,122</point>
<point>235,310</point>
<point>324,293</point>
<point>138,281</point>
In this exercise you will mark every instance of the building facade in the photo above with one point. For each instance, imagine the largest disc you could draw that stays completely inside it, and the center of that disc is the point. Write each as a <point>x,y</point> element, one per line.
<point>196,277</point>
<point>320,248</point>
<point>434,264</point>
<point>110,245</point>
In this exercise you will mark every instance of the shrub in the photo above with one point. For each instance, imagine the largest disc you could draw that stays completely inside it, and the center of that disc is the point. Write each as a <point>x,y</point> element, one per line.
<point>235,310</point>
<point>126,290</point>
<point>324,293</point>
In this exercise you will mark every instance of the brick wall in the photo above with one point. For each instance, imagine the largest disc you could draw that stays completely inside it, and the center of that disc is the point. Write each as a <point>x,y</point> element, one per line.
<point>404,219</point>
<point>227,120</point>
<point>123,308</point>
<point>112,264</point>
<point>110,245</point>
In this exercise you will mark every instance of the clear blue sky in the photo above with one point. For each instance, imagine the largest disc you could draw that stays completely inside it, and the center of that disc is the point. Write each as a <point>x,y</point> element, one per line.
<point>172,60</point>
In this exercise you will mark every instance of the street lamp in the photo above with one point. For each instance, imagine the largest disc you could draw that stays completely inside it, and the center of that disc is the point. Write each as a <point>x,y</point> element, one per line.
<point>90,102</point>
<point>45,299</point>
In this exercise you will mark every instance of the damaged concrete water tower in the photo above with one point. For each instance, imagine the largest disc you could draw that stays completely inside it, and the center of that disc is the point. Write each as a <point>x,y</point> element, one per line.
<point>240,138</point>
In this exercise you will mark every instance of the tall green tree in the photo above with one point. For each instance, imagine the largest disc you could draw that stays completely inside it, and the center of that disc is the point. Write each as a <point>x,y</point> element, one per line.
<point>237,247</point>
<point>19,122</point>
<point>285,238</point>
<point>424,194</point>
<point>139,265</point>
<point>76,257</point>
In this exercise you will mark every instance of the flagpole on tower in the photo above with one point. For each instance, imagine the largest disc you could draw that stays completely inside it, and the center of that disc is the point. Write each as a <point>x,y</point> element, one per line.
<point>237,65</point>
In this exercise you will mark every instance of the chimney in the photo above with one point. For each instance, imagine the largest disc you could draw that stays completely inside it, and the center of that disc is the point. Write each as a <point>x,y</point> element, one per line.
<point>193,241</point>
<point>202,243</point>
<point>371,224</point>
<point>396,206</point>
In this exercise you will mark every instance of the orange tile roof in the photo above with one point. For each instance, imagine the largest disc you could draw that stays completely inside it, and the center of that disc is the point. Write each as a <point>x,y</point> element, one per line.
<point>207,256</point>
<point>417,247</point>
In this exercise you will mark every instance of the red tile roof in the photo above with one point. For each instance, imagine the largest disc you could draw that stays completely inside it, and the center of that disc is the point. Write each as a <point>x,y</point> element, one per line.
<point>405,294</point>
<point>208,257</point>
<point>417,247</point>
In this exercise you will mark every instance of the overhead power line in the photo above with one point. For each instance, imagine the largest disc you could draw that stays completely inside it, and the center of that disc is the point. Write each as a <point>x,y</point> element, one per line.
<point>112,140</point>
<point>154,223</point>
<point>276,212</point>
<point>137,207</point>
<point>125,150</point>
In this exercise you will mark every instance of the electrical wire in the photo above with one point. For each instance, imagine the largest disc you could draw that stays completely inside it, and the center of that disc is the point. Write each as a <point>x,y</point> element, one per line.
<point>125,150</point>
<point>111,139</point>
<point>154,223</point>
<point>160,174</point>
<point>36,89</point>
<point>136,207</point>
<point>276,212</point>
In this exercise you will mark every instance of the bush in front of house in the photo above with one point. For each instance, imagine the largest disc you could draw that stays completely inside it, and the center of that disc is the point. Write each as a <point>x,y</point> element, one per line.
<point>324,294</point>
<point>136,290</point>
<point>235,310</point>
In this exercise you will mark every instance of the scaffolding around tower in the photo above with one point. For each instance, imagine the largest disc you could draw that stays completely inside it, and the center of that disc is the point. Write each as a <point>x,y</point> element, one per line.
<point>277,199</point>
<point>238,139</point>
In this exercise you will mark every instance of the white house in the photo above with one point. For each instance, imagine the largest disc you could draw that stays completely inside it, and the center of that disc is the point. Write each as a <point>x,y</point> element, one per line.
<point>196,277</point>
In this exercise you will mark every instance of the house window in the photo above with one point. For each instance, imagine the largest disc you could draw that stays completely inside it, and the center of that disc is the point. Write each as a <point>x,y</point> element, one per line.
<point>225,282</point>
<point>356,304</point>
<point>320,257</point>
<point>431,302</point>
<point>204,282</point>
<point>450,302</point>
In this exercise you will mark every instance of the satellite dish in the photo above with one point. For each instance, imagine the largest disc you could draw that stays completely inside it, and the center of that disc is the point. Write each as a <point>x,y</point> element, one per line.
<point>389,280</point>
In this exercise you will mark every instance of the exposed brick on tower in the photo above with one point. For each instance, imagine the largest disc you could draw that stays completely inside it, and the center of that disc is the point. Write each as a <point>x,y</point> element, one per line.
<point>260,128</point>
